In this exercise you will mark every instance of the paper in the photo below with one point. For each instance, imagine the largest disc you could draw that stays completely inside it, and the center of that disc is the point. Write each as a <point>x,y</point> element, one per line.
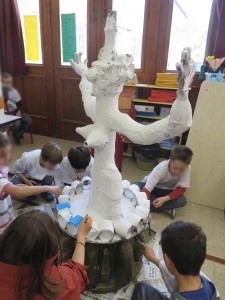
<point>31,37</point>
<point>68,31</point>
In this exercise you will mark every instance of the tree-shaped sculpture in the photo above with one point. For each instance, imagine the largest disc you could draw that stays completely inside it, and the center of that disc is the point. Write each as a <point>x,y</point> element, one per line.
<point>100,87</point>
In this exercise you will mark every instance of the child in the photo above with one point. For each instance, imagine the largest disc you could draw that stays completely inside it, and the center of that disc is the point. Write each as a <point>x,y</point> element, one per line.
<point>30,260</point>
<point>77,164</point>
<point>40,167</point>
<point>169,180</point>
<point>7,189</point>
<point>184,250</point>
<point>13,106</point>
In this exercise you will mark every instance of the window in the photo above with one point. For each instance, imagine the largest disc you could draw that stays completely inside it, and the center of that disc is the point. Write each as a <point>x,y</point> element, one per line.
<point>130,22</point>
<point>190,22</point>
<point>73,29</point>
<point>30,21</point>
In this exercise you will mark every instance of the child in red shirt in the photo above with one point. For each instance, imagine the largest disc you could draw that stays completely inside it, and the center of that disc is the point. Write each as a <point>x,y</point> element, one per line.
<point>30,260</point>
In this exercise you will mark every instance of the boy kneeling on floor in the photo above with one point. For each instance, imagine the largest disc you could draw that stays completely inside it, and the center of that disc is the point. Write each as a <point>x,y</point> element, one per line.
<point>168,181</point>
<point>184,250</point>
<point>78,164</point>
<point>40,167</point>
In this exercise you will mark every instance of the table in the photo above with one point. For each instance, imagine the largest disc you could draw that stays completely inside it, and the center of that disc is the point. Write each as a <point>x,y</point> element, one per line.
<point>7,119</point>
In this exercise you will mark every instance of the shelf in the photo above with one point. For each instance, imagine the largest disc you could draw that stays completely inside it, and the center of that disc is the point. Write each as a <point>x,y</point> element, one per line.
<point>149,117</point>
<point>140,100</point>
<point>151,86</point>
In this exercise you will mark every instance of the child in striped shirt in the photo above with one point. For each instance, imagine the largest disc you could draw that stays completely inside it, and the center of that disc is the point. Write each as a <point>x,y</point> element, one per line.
<point>8,189</point>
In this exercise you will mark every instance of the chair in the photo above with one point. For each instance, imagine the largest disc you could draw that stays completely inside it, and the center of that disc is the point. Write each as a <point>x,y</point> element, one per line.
<point>10,127</point>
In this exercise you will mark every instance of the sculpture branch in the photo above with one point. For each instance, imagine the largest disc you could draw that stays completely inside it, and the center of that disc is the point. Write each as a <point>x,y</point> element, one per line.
<point>88,99</point>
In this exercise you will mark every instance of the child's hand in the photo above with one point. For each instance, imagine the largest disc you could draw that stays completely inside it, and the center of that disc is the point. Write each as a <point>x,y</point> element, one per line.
<point>56,190</point>
<point>150,255</point>
<point>159,201</point>
<point>85,227</point>
<point>31,182</point>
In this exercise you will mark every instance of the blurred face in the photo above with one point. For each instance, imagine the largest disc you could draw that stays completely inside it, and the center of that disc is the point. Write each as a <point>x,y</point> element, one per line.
<point>177,167</point>
<point>7,82</point>
<point>5,156</point>
<point>47,165</point>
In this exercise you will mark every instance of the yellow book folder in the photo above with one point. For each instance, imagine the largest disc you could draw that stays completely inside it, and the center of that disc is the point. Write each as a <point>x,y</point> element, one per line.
<point>166,80</point>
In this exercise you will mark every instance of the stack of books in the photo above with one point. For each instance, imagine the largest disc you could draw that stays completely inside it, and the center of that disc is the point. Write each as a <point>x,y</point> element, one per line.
<point>126,98</point>
<point>166,80</point>
<point>166,96</point>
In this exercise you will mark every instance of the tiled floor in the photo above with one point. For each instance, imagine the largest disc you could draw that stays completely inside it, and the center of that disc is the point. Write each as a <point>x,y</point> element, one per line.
<point>211,220</point>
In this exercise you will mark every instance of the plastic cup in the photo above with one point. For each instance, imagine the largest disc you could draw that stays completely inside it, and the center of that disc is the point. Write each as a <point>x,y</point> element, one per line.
<point>106,231</point>
<point>63,205</point>
<point>73,224</point>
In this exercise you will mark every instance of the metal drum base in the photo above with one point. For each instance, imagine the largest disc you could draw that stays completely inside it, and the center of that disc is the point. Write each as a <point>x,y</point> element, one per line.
<point>111,266</point>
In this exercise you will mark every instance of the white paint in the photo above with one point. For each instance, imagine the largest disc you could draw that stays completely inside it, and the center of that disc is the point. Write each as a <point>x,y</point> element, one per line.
<point>100,87</point>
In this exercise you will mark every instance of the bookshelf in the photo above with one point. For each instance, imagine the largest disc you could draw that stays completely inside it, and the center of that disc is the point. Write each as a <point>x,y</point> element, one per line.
<point>140,100</point>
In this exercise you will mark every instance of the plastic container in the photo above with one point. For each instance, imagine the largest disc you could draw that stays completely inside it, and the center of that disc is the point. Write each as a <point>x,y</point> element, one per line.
<point>145,163</point>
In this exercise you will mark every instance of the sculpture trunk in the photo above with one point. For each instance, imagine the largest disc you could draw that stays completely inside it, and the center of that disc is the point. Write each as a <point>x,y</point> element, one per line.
<point>106,189</point>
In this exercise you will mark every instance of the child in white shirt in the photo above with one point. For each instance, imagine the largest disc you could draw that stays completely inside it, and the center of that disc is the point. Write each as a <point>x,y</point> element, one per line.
<point>40,167</point>
<point>168,181</point>
<point>7,189</point>
<point>77,164</point>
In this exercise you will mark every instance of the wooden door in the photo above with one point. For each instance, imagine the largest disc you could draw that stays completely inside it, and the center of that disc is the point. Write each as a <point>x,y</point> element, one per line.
<point>69,107</point>
<point>37,86</point>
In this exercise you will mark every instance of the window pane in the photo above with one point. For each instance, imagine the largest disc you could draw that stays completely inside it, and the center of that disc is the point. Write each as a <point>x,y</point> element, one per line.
<point>73,29</point>
<point>189,27</point>
<point>30,20</point>
<point>130,20</point>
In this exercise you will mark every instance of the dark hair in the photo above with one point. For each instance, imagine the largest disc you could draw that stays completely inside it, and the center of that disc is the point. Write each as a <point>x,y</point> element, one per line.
<point>4,140</point>
<point>79,157</point>
<point>182,153</point>
<point>29,242</point>
<point>185,244</point>
<point>6,75</point>
<point>52,153</point>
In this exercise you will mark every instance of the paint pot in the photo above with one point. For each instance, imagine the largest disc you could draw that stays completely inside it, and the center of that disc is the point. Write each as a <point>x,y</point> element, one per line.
<point>106,231</point>
<point>66,190</point>
<point>134,219</point>
<point>63,198</point>
<point>130,190</point>
<point>93,234</point>
<point>142,212</point>
<point>63,205</point>
<point>86,180</point>
<point>123,228</point>
<point>73,224</point>
<point>64,217</point>
<point>125,183</point>
<point>77,186</point>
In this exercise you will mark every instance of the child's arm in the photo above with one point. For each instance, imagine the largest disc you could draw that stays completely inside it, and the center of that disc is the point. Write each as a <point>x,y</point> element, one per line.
<point>84,229</point>
<point>150,255</point>
<point>26,191</point>
<point>25,179</point>
<point>152,180</point>
<point>173,195</point>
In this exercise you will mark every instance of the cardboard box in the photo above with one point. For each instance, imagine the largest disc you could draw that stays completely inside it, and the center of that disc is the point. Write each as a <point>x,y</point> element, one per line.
<point>143,108</point>
<point>124,102</point>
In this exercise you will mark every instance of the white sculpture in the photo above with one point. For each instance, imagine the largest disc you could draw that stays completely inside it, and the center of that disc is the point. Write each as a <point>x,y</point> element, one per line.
<point>100,87</point>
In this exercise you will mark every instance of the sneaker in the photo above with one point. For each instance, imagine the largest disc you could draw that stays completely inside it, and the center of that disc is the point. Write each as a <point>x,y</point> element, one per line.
<point>173,213</point>
<point>48,197</point>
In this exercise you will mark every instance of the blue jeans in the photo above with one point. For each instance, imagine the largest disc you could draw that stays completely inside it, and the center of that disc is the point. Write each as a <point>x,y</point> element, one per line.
<point>144,291</point>
<point>47,180</point>
<point>156,193</point>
